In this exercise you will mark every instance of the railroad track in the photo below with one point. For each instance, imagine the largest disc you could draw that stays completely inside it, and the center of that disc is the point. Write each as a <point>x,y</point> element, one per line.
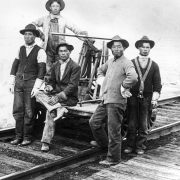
<point>70,145</point>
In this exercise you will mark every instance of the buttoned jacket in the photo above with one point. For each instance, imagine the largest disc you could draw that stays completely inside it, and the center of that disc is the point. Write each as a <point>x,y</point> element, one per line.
<point>69,82</point>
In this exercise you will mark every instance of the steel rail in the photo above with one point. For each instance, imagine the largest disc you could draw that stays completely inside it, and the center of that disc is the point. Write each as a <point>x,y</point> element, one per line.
<point>64,162</point>
<point>52,166</point>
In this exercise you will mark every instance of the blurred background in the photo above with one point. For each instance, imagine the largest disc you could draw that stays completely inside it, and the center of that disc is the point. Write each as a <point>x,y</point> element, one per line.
<point>131,19</point>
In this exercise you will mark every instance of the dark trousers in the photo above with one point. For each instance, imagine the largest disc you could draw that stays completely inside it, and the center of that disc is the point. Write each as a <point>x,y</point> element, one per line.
<point>23,108</point>
<point>112,114</point>
<point>138,119</point>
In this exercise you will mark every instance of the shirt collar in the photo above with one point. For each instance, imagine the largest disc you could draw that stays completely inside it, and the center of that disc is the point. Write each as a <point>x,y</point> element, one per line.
<point>52,16</point>
<point>31,46</point>
<point>143,57</point>
<point>64,62</point>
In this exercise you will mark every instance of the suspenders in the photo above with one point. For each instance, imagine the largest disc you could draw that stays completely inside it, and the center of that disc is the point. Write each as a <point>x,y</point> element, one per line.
<point>142,78</point>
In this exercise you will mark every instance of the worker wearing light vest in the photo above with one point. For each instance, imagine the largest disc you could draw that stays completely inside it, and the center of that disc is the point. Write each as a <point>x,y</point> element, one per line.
<point>145,95</point>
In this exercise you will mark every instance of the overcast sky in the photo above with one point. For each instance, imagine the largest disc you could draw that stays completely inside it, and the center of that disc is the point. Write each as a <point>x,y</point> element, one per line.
<point>131,19</point>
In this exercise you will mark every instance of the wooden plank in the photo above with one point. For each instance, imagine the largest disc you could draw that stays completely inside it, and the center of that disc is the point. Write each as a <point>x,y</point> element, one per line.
<point>29,151</point>
<point>143,172</point>
<point>164,130</point>
<point>5,169</point>
<point>1,174</point>
<point>86,110</point>
<point>155,160</point>
<point>112,175</point>
<point>151,166</point>
<point>15,162</point>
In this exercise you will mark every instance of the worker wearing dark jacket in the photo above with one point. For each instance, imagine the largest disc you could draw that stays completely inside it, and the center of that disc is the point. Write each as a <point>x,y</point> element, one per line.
<point>145,95</point>
<point>27,75</point>
<point>61,90</point>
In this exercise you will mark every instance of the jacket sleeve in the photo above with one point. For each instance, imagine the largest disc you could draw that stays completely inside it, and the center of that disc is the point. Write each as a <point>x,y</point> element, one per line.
<point>157,79</point>
<point>41,64</point>
<point>102,70</point>
<point>72,26</point>
<point>131,75</point>
<point>74,81</point>
<point>14,67</point>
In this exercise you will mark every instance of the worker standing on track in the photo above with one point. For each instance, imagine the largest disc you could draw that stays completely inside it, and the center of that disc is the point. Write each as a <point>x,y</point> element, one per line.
<point>119,76</point>
<point>54,22</point>
<point>145,95</point>
<point>26,77</point>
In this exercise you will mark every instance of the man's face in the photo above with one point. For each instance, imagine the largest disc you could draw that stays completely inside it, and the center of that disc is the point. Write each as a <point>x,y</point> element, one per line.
<point>55,8</point>
<point>63,53</point>
<point>145,49</point>
<point>29,37</point>
<point>117,49</point>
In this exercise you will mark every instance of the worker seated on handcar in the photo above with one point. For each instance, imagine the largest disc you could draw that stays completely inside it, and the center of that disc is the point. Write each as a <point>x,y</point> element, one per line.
<point>60,91</point>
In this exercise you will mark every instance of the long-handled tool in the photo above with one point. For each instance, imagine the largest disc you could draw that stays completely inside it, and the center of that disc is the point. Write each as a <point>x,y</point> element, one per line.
<point>81,36</point>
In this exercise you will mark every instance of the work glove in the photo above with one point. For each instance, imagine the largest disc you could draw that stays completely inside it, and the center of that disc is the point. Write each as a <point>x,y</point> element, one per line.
<point>125,92</point>
<point>47,89</point>
<point>60,112</point>
<point>11,83</point>
<point>100,80</point>
<point>53,100</point>
<point>154,104</point>
<point>34,92</point>
<point>38,83</point>
<point>154,100</point>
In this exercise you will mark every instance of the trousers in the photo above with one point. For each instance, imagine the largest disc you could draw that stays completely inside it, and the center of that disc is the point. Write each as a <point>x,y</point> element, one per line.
<point>112,115</point>
<point>23,108</point>
<point>139,114</point>
<point>49,128</point>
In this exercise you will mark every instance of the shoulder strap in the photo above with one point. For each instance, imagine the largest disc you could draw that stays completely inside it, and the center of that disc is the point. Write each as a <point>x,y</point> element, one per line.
<point>142,78</point>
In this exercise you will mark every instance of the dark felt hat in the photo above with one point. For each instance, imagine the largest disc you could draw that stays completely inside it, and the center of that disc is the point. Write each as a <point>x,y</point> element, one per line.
<point>144,39</point>
<point>69,46</point>
<point>31,28</point>
<point>118,39</point>
<point>60,1</point>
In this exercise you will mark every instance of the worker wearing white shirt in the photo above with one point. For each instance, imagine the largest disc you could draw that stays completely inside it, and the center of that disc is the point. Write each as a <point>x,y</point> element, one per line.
<point>26,77</point>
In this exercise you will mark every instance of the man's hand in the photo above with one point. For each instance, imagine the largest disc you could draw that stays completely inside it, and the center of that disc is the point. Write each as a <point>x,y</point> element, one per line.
<point>83,33</point>
<point>11,88</point>
<point>125,92</point>
<point>154,104</point>
<point>54,100</point>
<point>62,96</point>
<point>100,80</point>
<point>48,89</point>
<point>34,92</point>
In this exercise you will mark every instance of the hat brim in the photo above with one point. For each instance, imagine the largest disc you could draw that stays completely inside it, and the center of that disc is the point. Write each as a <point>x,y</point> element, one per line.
<point>70,47</point>
<point>152,43</point>
<point>123,41</point>
<point>61,3</point>
<point>31,30</point>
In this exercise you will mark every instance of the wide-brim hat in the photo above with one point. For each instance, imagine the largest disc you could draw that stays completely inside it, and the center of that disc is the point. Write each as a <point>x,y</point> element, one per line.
<point>69,46</point>
<point>144,39</point>
<point>118,39</point>
<point>60,1</point>
<point>31,28</point>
